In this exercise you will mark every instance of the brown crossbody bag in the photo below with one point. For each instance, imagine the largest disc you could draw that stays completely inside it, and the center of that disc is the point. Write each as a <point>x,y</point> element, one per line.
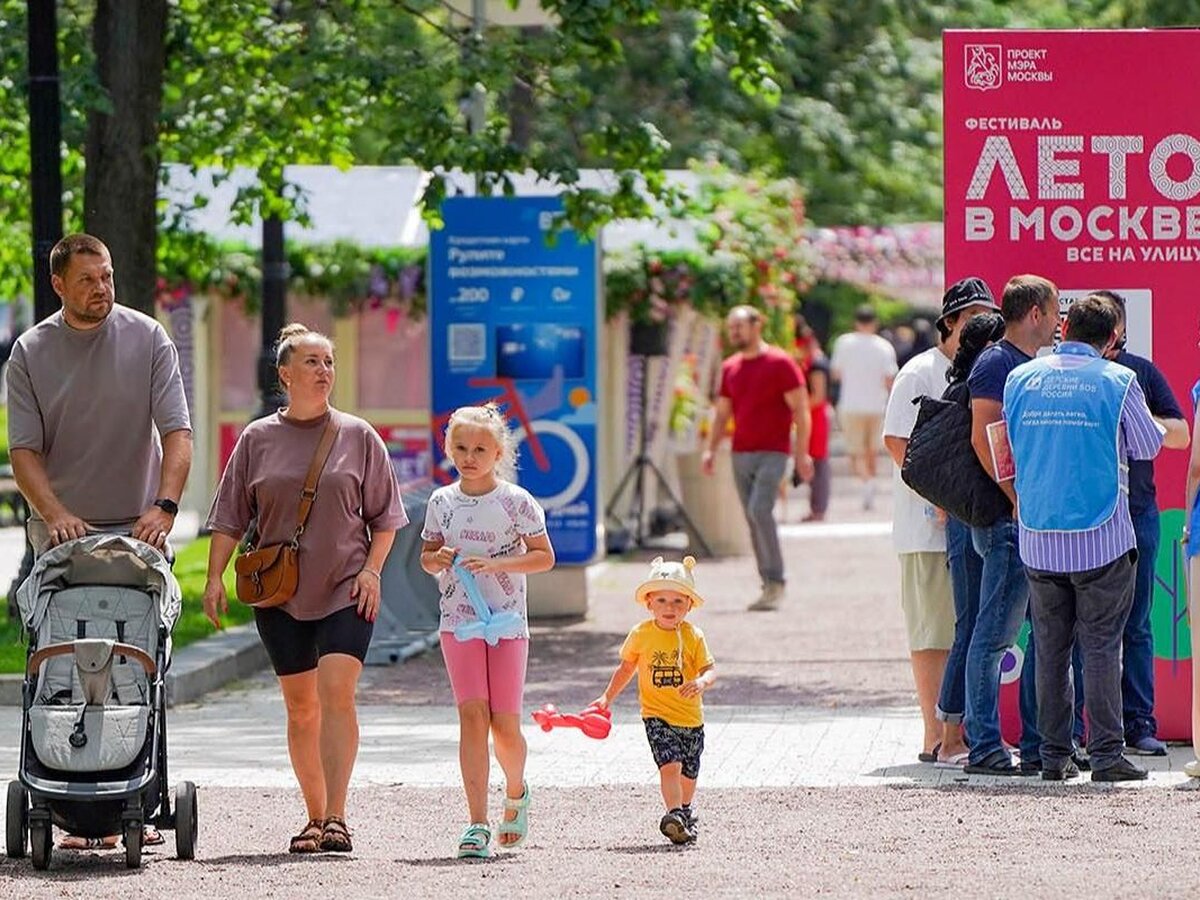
<point>268,576</point>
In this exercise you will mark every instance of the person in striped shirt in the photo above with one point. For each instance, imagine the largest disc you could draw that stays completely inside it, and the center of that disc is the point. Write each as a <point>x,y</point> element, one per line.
<point>1073,418</point>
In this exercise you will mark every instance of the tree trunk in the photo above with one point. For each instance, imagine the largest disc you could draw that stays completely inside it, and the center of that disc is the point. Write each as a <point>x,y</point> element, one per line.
<point>121,176</point>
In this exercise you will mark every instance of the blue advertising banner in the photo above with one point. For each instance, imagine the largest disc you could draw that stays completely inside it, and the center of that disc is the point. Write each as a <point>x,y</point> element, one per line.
<point>514,320</point>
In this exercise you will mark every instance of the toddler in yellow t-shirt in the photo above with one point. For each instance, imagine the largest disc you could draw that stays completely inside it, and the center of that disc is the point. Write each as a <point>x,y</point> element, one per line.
<point>673,667</point>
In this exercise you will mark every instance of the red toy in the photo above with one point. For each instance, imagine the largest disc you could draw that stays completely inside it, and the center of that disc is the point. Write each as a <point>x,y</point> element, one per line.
<point>592,721</point>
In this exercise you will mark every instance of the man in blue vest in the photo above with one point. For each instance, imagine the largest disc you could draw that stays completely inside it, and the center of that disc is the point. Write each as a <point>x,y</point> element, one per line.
<point>1073,418</point>
<point>1137,679</point>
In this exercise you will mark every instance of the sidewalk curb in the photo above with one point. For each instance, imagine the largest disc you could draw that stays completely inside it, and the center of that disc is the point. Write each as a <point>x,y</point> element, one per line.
<point>10,689</point>
<point>214,662</point>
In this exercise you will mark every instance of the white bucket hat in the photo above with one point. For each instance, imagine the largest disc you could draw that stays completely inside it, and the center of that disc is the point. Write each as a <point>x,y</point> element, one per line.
<point>670,576</point>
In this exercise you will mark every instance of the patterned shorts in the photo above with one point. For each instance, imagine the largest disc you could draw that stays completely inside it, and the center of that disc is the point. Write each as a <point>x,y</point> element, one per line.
<point>675,744</point>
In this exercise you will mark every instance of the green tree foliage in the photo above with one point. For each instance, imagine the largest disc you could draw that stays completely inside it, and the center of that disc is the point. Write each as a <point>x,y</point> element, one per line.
<point>844,97</point>
<point>857,118</point>
<point>252,83</point>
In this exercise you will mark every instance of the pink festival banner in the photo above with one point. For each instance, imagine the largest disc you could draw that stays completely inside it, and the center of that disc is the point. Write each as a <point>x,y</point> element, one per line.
<point>1076,155</point>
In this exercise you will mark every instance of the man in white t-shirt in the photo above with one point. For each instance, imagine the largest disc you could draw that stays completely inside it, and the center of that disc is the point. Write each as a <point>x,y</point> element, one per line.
<point>918,528</point>
<point>863,364</point>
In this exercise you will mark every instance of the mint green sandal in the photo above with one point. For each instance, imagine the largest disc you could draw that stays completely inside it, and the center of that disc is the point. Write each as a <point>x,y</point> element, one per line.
<point>475,842</point>
<point>519,825</point>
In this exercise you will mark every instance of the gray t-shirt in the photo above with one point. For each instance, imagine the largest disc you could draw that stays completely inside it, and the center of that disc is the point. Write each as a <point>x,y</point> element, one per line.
<point>94,404</point>
<point>356,494</point>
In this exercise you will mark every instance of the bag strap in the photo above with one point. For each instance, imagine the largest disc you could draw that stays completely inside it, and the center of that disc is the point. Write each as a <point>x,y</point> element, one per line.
<point>309,492</point>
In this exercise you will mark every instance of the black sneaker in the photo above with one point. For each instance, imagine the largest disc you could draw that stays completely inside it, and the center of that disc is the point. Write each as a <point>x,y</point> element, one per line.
<point>1124,770</point>
<point>674,826</point>
<point>1066,773</point>
<point>1080,758</point>
<point>1031,766</point>
<point>690,817</point>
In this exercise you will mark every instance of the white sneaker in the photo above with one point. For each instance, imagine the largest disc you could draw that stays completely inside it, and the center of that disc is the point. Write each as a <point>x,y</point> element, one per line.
<point>770,597</point>
<point>1191,768</point>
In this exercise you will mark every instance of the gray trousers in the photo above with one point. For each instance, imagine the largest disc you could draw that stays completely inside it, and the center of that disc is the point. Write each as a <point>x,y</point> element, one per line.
<point>758,476</point>
<point>820,486</point>
<point>1090,607</point>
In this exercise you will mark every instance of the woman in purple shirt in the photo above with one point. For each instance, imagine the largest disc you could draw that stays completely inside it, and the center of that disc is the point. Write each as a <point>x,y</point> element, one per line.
<point>318,639</point>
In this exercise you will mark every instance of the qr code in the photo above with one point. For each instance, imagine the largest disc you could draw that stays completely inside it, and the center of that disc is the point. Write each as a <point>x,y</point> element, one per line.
<point>468,343</point>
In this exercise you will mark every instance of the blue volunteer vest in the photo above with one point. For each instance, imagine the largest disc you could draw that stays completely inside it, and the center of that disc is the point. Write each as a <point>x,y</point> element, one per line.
<point>1064,428</point>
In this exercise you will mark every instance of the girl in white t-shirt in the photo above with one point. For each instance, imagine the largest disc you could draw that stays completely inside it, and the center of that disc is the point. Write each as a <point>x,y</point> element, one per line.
<point>496,531</point>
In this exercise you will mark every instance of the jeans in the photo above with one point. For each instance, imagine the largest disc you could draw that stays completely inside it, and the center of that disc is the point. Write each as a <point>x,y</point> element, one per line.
<point>966,572</point>
<point>1091,607</point>
<point>1137,679</point>
<point>758,476</point>
<point>1003,599</point>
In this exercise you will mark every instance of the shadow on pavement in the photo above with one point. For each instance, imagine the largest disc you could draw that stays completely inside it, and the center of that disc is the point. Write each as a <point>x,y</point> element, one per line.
<point>641,849</point>
<point>450,862</point>
<point>72,865</point>
<point>1029,786</point>
<point>271,860</point>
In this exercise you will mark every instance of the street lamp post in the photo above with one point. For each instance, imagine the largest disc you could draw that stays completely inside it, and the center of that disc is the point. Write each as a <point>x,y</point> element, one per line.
<point>45,186</point>
<point>274,312</point>
<point>45,142</point>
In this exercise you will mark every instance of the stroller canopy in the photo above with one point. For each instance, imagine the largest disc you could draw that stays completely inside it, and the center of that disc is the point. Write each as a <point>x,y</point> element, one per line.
<point>99,559</point>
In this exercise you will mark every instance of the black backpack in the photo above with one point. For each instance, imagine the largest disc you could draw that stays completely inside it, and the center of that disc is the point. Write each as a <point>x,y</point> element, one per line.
<point>941,466</point>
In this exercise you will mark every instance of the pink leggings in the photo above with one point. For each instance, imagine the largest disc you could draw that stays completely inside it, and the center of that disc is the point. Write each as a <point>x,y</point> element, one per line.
<point>480,672</point>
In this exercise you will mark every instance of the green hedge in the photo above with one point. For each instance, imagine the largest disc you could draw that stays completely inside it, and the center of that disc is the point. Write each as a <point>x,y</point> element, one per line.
<point>190,569</point>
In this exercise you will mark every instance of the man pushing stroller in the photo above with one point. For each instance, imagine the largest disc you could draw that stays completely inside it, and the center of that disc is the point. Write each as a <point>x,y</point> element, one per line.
<point>94,445</point>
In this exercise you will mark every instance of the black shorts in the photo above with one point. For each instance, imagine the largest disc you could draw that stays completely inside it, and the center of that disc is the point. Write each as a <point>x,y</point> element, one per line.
<point>295,646</point>
<point>675,744</point>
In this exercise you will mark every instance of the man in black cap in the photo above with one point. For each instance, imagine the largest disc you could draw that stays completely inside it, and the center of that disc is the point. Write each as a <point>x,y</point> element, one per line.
<point>919,530</point>
<point>963,299</point>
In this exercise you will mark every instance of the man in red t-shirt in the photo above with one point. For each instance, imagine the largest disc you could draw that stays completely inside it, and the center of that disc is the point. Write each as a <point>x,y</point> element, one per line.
<point>763,390</point>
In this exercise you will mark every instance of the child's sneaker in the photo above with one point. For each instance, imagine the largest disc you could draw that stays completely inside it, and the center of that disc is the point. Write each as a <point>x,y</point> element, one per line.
<point>675,826</point>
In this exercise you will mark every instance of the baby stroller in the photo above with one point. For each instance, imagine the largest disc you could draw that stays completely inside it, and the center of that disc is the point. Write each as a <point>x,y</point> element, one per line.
<point>99,612</point>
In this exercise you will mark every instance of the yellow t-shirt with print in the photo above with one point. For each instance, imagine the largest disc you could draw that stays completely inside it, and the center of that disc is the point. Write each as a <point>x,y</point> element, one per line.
<point>660,675</point>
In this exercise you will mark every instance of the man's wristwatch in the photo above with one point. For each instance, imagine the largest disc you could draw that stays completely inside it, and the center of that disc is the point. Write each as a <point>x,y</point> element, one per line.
<point>170,507</point>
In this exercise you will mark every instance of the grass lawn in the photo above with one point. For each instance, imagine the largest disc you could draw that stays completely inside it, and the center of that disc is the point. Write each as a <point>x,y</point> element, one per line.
<point>190,567</point>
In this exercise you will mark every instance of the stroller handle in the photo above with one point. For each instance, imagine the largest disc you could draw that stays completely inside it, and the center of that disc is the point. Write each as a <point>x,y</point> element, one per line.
<point>62,649</point>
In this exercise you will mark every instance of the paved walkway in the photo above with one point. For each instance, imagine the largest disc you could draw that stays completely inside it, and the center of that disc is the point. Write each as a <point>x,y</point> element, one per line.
<point>817,694</point>
<point>810,783</point>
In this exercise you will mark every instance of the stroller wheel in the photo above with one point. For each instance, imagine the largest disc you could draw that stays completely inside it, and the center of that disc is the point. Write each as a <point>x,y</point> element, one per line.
<point>40,844</point>
<point>133,844</point>
<point>16,820</point>
<point>186,821</point>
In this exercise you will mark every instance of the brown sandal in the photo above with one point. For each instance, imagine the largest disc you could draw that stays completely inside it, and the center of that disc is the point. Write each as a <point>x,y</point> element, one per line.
<point>336,836</point>
<point>309,838</point>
